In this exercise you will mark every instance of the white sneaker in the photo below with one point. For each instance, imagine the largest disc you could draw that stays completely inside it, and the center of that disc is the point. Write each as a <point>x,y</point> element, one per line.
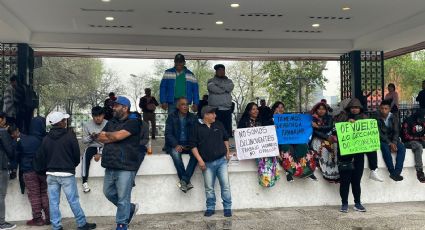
<point>375,176</point>
<point>86,187</point>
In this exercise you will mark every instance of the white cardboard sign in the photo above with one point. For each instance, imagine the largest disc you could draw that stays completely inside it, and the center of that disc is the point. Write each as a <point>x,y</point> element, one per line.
<point>256,142</point>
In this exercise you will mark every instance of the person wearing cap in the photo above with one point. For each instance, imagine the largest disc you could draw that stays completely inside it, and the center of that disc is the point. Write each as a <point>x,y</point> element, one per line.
<point>209,142</point>
<point>121,159</point>
<point>178,82</point>
<point>58,155</point>
<point>220,89</point>
<point>94,148</point>
<point>177,129</point>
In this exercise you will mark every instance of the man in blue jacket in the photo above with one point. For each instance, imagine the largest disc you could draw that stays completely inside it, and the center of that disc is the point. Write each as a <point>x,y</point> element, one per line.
<point>177,130</point>
<point>178,82</point>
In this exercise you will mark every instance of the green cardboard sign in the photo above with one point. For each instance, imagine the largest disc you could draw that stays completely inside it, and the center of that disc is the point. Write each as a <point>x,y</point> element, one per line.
<point>358,137</point>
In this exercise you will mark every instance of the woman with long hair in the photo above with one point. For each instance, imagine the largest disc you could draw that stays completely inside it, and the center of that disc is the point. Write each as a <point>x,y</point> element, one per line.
<point>267,166</point>
<point>324,142</point>
<point>296,159</point>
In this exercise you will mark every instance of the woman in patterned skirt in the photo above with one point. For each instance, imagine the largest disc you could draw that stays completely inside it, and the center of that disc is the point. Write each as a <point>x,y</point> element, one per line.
<point>324,142</point>
<point>267,166</point>
<point>296,159</point>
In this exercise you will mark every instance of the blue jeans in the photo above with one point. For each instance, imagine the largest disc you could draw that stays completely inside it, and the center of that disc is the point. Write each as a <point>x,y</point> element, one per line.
<point>217,169</point>
<point>386,154</point>
<point>117,186</point>
<point>69,185</point>
<point>182,173</point>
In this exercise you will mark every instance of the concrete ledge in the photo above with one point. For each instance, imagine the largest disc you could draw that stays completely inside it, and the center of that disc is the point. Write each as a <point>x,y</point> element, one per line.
<point>157,192</point>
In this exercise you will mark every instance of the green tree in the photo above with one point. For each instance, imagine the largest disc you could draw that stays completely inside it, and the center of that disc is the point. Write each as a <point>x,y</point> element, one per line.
<point>407,73</point>
<point>203,70</point>
<point>67,83</point>
<point>286,78</point>
<point>247,76</point>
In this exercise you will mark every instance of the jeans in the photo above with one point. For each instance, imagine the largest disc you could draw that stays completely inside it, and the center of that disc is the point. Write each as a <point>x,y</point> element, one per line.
<point>69,186</point>
<point>352,177</point>
<point>4,179</point>
<point>386,154</point>
<point>217,169</point>
<point>417,149</point>
<point>225,117</point>
<point>182,173</point>
<point>117,186</point>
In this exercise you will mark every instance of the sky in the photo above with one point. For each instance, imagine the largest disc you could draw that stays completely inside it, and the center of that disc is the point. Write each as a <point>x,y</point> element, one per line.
<point>125,67</point>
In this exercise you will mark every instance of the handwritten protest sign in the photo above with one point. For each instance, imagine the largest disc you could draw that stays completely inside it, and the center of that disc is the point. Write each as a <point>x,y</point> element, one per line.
<point>256,142</point>
<point>293,128</point>
<point>358,137</point>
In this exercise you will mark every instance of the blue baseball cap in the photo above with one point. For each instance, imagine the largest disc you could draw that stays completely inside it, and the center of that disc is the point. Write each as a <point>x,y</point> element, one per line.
<point>123,101</point>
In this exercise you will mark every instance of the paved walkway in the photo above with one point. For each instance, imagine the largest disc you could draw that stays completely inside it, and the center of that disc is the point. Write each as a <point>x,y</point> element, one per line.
<point>378,216</point>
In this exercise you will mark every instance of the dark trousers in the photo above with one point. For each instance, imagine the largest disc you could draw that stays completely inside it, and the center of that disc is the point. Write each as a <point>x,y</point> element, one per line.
<point>147,116</point>
<point>225,117</point>
<point>372,158</point>
<point>85,166</point>
<point>37,194</point>
<point>386,154</point>
<point>352,177</point>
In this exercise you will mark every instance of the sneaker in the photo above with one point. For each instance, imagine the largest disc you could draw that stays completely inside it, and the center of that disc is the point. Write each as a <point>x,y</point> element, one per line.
<point>86,187</point>
<point>375,176</point>
<point>183,186</point>
<point>133,211</point>
<point>420,175</point>
<point>344,208</point>
<point>313,177</point>
<point>396,177</point>
<point>36,222</point>
<point>7,226</point>
<point>189,186</point>
<point>121,227</point>
<point>289,178</point>
<point>87,226</point>
<point>209,213</point>
<point>227,212</point>
<point>359,208</point>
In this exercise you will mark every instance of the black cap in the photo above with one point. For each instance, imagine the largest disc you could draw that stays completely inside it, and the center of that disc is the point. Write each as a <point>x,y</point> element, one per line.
<point>219,66</point>
<point>179,58</point>
<point>207,109</point>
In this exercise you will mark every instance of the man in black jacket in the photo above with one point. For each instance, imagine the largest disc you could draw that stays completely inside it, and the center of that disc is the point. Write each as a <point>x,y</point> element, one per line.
<point>177,130</point>
<point>390,140</point>
<point>61,154</point>
<point>121,159</point>
<point>210,145</point>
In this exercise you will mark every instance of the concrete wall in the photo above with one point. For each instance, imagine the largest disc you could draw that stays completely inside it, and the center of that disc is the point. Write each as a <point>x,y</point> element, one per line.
<point>156,190</point>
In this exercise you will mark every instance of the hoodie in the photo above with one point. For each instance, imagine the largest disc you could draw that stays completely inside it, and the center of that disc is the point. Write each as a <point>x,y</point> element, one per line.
<point>414,127</point>
<point>59,152</point>
<point>346,115</point>
<point>220,89</point>
<point>28,145</point>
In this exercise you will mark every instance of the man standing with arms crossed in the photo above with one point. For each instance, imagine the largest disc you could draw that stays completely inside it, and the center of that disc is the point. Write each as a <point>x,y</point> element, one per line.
<point>120,158</point>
